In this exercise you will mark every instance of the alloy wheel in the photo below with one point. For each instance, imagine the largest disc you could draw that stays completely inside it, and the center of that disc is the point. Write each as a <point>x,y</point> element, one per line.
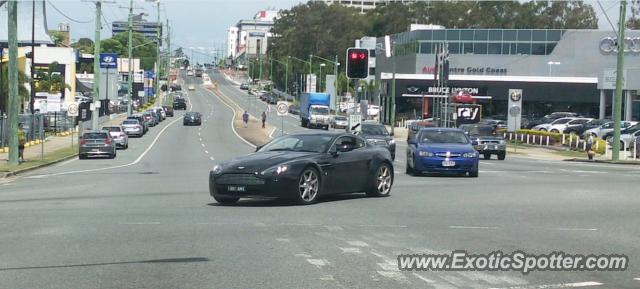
<point>308,186</point>
<point>383,183</point>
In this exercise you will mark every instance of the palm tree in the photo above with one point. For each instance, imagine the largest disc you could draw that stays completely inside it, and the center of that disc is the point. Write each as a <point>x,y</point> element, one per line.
<point>4,87</point>
<point>51,81</point>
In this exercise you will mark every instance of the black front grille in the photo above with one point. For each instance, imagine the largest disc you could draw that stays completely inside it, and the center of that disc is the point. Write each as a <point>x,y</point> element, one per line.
<point>239,179</point>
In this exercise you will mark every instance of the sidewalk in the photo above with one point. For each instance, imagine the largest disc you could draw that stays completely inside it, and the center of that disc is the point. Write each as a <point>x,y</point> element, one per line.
<point>56,148</point>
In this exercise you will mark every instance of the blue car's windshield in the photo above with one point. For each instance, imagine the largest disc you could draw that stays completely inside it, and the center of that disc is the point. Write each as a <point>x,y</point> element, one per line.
<point>434,136</point>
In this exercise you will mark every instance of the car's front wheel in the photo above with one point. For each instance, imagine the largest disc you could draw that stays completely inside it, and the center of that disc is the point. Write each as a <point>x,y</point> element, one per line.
<point>474,173</point>
<point>487,156</point>
<point>381,186</point>
<point>502,155</point>
<point>226,200</point>
<point>308,186</point>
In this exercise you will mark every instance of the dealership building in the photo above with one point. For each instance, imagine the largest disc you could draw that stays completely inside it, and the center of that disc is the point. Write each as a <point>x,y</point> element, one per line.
<point>558,70</point>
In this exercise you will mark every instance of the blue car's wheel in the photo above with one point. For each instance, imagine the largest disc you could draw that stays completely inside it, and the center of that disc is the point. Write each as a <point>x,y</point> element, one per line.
<point>474,173</point>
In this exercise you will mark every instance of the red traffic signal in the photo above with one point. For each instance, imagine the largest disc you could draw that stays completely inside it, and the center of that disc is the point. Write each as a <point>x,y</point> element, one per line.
<point>357,63</point>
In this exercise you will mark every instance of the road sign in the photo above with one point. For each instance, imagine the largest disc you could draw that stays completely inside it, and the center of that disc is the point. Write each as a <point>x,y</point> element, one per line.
<point>108,60</point>
<point>282,108</point>
<point>72,110</point>
<point>53,102</point>
<point>354,122</point>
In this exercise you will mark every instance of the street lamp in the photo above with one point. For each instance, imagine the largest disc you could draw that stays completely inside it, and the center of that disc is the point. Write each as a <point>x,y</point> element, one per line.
<point>321,66</point>
<point>550,63</point>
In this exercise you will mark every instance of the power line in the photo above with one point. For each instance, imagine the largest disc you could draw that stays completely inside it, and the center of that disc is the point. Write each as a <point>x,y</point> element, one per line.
<point>73,20</point>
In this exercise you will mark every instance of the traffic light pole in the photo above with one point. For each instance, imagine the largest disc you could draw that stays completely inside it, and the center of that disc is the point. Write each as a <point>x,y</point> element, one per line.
<point>95,114</point>
<point>617,110</point>
<point>157,82</point>
<point>393,97</point>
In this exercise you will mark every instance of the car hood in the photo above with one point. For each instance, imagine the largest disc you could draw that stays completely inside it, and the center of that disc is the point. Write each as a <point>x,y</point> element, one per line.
<point>257,162</point>
<point>444,147</point>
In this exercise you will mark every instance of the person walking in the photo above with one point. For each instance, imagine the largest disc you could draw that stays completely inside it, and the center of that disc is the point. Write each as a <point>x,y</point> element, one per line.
<point>589,146</point>
<point>264,118</point>
<point>245,119</point>
<point>22,140</point>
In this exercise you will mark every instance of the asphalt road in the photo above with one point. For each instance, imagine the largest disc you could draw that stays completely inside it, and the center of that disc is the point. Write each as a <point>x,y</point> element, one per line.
<point>146,220</point>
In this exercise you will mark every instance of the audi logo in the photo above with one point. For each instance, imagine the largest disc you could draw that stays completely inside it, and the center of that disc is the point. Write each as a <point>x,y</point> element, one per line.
<point>610,45</point>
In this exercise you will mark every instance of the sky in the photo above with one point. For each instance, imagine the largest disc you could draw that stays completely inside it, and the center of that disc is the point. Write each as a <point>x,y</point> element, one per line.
<point>201,24</point>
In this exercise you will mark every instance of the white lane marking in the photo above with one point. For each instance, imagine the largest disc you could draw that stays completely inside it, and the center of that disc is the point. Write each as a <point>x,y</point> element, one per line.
<point>271,134</point>
<point>199,128</point>
<point>318,262</point>
<point>637,279</point>
<point>358,243</point>
<point>549,286</point>
<point>144,153</point>
<point>141,223</point>
<point>202,144</point>
<point>327,278</point>
<point>350,250</point>
<point>206,152</point>
<point>211,158</point>
<point>334,228</point>
<point>233,120</point>
<point>304,255</point>
<point>575,229</point>
<point>488,163</point>
<point>198,134</point>
<point>384,226</point>
<point>473,227</point>
<point>423,278</point>
<point>283,240</point>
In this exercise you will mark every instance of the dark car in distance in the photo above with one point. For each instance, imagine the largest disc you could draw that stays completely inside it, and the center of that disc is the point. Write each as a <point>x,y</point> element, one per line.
<point>304,166</point>
<point>377,135</point>
<point>294,109</point>
<point>168,110</point>
<point>179,103</point>
<point>192,118</point>
<point>485,140</point>
<point>416,126</point>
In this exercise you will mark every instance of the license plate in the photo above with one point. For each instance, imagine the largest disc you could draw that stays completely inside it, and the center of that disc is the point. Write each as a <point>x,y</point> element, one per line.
<point>448,163</point>
<point>236,188</point>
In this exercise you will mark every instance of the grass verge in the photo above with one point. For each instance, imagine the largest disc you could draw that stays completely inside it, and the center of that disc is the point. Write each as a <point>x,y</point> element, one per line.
<point>50,158</point>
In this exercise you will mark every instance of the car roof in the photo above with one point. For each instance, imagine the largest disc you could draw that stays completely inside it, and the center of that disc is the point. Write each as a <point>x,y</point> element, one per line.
<point>441,129</point>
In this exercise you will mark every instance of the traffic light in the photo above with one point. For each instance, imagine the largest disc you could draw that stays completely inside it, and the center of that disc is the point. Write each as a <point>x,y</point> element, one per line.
<point>357,63</point>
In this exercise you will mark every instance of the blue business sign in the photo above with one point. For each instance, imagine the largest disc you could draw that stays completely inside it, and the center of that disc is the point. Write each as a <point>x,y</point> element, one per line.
<point>108,60</point>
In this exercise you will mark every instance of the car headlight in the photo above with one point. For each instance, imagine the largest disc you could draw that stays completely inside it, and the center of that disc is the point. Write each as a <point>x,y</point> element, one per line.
<point>277,170</point>
<point>393,141</point>
<point>217,169</point>
<point>470,155</point>
<point>425,154</point>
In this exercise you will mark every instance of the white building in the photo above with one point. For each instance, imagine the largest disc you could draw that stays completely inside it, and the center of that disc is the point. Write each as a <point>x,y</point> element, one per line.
<point>232,42</point>
<point>250,38</point>
<point>364,5</point>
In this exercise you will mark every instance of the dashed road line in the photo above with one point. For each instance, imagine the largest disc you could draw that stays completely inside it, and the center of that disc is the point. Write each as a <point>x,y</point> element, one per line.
<point>211,158</point>
<point>474,227</point>
<point>202,144</point>
<point>206,152</point>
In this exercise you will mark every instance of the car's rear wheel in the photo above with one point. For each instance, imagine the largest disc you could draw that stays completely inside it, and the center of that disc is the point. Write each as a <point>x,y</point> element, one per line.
<point>308,186</point>
<point>381,186</point>
<point>487,156</point>
<point>409,170</point>
<point>226,200</point>
<point>502,155</point>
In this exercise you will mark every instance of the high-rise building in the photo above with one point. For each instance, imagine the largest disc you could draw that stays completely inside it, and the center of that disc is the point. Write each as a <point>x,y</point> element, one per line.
<point>249,38</point>
<point>365,4</point>
<point>146,28</point>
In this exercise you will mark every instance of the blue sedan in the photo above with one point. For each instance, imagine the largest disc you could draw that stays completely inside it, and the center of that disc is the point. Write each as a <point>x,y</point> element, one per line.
<point>442,150</point>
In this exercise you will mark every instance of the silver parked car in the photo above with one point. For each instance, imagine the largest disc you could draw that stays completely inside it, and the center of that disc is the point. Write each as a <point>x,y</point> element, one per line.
<point>118,135</point>
<point>133,127</point>
<point>97,143</point>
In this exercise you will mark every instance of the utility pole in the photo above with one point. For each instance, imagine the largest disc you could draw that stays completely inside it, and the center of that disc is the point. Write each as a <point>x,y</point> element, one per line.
<point>130,66</point>
<point>157,82</point>
<point>617,111</point>
<point>14,98</point>
<point>168,54</point>
<point>96,66</point>
<point>33,61</point>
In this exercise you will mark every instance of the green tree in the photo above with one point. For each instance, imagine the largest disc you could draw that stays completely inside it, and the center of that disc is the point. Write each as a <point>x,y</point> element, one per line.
<point>51,81</point>
<point>58,37</point>
<point>85,45</point>
<point>633,21</point>
<point>4,87</point>
<point>112,45</point>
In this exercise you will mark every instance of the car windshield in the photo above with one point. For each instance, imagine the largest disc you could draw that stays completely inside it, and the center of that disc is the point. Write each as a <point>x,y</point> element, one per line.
<point>478,130</point>
<point>319,110</point>
<point>130,122</point>
<point>94,135</point>
<point>341,118</point>
<point>374,130</point>
<point>562,121</point>
<point>437,136</point>
<point>300,143</point>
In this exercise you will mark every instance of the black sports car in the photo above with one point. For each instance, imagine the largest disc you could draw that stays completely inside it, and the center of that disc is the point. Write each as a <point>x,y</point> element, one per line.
<point>192,118</point>
<point>304,166</point>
